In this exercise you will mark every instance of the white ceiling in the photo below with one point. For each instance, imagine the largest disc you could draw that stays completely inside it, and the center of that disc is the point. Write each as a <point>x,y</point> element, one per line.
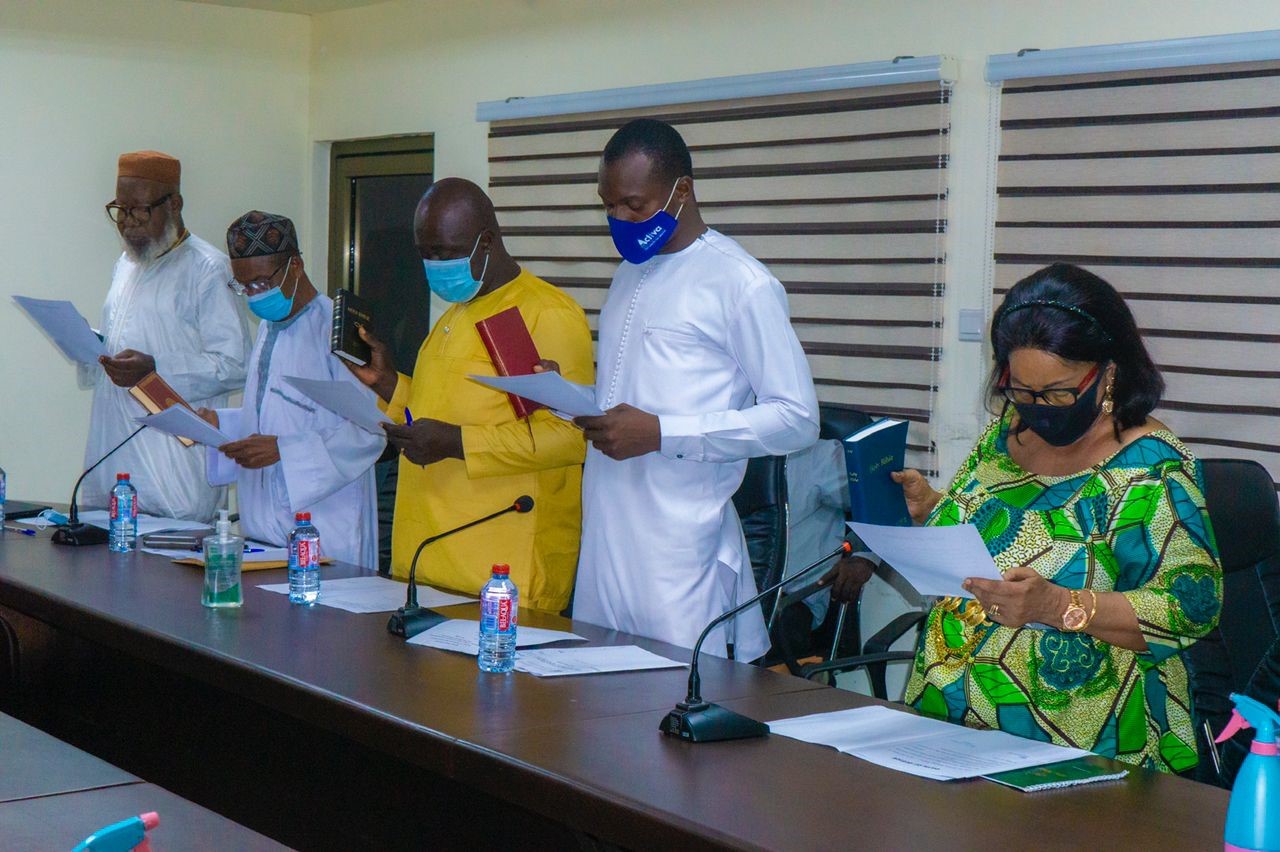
<point>302,7</point>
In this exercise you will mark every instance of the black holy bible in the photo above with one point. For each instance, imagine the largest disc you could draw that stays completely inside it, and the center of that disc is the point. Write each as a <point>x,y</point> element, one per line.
<point>349,310</point>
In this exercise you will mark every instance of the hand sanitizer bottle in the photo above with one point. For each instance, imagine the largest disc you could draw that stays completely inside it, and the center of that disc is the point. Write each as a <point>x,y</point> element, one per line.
<point>223,555</point>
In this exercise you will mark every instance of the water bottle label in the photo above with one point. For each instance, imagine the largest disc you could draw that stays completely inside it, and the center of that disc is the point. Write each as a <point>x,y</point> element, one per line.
<point>308,555</point>
<point>130,509</point>
<point>499,615</point>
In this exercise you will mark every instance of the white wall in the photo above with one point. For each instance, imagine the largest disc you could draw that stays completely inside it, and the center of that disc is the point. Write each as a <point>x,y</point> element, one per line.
<point>224,90</point>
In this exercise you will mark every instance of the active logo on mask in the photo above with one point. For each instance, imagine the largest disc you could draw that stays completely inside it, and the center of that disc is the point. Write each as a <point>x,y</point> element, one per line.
<point>639,241</point>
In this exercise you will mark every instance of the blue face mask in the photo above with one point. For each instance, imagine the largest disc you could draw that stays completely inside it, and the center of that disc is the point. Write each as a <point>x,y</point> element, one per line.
<point>639,241</point>
<point>272,305</point>
<point>451,279</point>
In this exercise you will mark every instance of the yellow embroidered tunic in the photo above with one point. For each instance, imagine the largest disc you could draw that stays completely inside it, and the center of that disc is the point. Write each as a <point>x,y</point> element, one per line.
<point>505,457</point>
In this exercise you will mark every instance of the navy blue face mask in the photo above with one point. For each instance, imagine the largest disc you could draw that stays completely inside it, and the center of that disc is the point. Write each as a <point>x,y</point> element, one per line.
<point>1062,425</point>
<point>639,241</point>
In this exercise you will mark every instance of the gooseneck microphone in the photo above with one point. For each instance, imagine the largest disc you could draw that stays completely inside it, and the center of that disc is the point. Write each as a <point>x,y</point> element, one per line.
<point>410,620</point>
<point>73,532</point>
<point>698,721</point>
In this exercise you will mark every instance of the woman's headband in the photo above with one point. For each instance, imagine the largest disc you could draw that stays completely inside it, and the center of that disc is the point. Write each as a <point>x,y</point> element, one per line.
<point>1062,306</point>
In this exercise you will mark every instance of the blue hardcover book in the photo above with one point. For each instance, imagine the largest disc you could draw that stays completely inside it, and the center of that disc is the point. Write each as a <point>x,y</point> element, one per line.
<point>870,454</point>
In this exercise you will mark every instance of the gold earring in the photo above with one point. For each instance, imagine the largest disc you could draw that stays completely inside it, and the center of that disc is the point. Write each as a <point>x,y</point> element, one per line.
<point>1107,405</point>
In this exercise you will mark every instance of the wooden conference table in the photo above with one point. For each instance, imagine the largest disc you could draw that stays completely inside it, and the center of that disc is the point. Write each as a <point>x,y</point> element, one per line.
<point>318,728</point>
<point>52,796</point>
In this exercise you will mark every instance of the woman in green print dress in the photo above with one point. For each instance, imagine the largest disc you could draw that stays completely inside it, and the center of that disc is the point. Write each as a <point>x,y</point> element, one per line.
<point>1094,513</point>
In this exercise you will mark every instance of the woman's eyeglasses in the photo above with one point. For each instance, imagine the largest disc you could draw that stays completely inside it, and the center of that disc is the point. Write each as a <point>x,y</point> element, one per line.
<point>1057,397</point>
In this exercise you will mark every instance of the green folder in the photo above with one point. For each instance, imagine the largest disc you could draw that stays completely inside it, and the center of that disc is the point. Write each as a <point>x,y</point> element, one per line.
<point>1068,773</point>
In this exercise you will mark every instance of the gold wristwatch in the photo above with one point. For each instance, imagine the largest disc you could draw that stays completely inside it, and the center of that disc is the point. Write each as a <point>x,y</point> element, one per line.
<point>1075,618</point>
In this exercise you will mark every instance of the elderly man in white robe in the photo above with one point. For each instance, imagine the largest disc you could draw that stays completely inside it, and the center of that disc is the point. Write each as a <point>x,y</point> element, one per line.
<point>168,311</point>
<point>288,454</point>
<point>698,370</point>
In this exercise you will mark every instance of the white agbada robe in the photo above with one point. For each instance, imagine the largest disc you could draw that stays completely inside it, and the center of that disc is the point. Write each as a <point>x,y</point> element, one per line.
<point>702,338</point>
<point>177,309</point>
<point>326,462</point>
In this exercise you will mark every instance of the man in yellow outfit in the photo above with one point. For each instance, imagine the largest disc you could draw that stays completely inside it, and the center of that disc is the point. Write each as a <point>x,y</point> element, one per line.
<point>465,454</point>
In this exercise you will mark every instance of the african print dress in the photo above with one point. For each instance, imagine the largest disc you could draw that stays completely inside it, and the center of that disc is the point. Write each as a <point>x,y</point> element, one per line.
<point>1136,524</point>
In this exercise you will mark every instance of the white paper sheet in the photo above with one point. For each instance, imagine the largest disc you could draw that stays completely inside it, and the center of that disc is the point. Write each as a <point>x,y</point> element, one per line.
<point>147,524</point>
<point>934,560</point>
<point>555,662</point>
<point>68,330</point>
<point>463,636</point>
<point>343,399</point>
<point>185,423</point>
<point>926,747</point>
<point>371,594</point>
<point>549,388</point>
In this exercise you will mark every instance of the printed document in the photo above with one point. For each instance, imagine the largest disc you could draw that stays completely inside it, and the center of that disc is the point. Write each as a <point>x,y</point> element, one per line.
<point>549,388</point>
<point>371,594</point>
<point>345,400</point>
<point>934,560</point>
<point>68,330</point>
<point>929,748</point>
<point>183,422</point>
<point>463,636</point>
<point>554,662</point>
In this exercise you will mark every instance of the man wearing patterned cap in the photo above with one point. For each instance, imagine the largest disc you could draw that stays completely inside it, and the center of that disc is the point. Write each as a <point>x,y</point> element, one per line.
<point>168,311</point>
<point>290,455</point>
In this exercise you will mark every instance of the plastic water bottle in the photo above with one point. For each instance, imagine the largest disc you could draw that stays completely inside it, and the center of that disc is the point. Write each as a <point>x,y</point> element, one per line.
<point>123,529</point>
<point>499,600</point>
<point>304,561</point>
<point>3,479</point>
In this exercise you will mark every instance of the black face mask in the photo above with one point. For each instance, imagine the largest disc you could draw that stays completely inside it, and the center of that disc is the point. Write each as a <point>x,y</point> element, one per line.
<point>1062,425</point>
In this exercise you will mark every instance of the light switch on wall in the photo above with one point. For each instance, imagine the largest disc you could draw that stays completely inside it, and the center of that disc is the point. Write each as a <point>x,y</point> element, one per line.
<point>973,323</point>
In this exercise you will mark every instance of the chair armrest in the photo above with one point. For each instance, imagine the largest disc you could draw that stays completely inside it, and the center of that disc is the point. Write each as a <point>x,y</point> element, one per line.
<point>848,664</point>
<point>892,632</point>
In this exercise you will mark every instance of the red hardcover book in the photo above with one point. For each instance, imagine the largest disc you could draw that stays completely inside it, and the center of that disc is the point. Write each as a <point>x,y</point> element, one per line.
<point>512,351</point>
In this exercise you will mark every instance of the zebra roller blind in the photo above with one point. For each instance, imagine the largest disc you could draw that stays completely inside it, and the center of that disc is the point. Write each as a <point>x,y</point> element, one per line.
<point>842,194</point>
<point>1167,184</point>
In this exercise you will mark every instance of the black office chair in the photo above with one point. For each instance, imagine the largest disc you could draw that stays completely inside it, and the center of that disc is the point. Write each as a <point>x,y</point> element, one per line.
<point>790,620</point>
<point>1243,653</point>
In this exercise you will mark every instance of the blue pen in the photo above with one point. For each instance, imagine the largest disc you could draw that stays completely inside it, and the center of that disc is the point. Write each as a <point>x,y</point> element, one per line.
<point>8,528</point>
<point>255,550</point>
<point>408,416</point>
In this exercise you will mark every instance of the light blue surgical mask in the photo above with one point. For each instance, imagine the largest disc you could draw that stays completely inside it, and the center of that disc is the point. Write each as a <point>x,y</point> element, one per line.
<point>272,305</point>
<point>451,279</point>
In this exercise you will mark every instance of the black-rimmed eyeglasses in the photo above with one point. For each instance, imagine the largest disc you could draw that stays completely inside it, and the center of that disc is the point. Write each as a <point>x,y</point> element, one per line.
<point>119,214</point>
<point>1057,397</point>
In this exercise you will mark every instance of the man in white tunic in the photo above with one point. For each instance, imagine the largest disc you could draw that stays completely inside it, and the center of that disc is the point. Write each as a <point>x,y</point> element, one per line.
<point>289,454</point>
<point>698,370</point>
<point>168,311</point>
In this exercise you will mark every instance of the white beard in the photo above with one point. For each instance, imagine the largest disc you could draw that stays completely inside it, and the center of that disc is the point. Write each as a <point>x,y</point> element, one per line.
<point>153,249</point>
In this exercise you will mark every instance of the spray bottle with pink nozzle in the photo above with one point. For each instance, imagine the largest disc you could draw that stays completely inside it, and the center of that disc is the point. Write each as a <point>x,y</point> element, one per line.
<point>1253,816</point>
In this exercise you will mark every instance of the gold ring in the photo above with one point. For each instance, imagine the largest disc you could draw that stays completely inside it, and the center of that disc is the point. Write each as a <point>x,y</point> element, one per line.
<point>995,610</point>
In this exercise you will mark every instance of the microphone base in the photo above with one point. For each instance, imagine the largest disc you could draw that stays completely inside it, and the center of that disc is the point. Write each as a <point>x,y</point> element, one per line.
<point>79,535</point>
<point>709,723</point>
<point>407,623</point>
